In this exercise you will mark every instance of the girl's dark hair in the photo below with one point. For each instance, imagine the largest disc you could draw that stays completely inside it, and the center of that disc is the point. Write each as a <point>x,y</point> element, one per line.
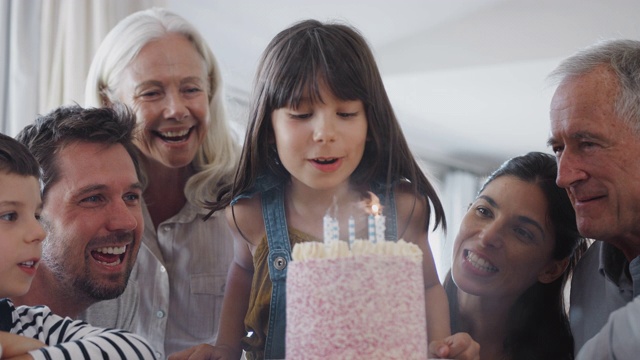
<point>292,67</point>
<point>538,326</point>
<point>15,158</point>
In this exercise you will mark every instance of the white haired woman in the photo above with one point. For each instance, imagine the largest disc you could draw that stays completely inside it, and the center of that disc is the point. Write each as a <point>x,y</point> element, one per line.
<point>158,64</point>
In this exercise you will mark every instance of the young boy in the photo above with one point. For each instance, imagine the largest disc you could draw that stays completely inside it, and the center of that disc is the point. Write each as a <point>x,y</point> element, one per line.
<point>34,332</point>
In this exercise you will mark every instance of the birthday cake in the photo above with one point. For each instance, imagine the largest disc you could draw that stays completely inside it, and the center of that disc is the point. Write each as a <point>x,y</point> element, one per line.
<point>364,301</point>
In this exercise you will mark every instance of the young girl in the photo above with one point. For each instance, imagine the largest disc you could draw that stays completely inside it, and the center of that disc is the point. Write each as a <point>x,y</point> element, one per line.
<point>35,331</point>
<point>321,131</point>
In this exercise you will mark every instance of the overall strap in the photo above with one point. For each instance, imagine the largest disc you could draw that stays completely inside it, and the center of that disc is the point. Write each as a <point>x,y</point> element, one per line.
<point>634,269</point>
<point>275,223</point>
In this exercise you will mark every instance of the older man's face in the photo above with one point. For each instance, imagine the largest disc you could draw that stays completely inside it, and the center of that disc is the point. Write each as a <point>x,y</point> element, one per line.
<point>93,218</point>
<point>598,157</point>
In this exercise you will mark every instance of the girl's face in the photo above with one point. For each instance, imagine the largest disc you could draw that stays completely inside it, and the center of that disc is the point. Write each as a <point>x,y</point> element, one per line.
<point>321,144</point>
<point>21,234</point>
<point>166,85</point>
<point>505,244</point>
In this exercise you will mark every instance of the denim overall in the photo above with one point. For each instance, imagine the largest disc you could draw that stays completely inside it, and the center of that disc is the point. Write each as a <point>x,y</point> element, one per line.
<point>280,254</point>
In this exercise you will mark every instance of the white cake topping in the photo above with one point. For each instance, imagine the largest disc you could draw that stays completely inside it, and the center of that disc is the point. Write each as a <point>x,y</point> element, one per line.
<point>336,249</point>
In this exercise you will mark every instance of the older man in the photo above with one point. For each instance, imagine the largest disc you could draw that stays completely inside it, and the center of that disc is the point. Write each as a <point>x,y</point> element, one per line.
<point>595,134</point>
<point>92,187</point>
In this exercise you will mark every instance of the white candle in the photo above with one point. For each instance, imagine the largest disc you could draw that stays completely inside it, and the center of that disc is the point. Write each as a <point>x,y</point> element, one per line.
<point>335,230</point>
<point>380,228</point>
<point>352,230</point>
<point>327,227</point>
<point>372,229</point>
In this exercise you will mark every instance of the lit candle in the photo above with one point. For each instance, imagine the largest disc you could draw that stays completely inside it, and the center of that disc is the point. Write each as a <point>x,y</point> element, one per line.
<point>352,230</point>
<point>380,227</point>
<point>375,223</point>
<point>372,229</point>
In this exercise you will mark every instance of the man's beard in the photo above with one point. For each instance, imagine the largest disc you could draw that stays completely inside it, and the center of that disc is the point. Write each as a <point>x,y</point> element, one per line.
<point>78,280</point>
<point>101,292</point>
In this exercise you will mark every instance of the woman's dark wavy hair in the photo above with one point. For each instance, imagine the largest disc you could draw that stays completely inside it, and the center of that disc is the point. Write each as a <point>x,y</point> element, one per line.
<point>16,159</point>
<point>293,66</point>
<point>538,325</point>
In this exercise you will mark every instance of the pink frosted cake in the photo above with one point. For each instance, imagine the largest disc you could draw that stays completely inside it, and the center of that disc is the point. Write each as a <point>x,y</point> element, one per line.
<point>363,303</point>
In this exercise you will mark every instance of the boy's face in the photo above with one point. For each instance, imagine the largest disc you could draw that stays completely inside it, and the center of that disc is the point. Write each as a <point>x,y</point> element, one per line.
<point>20,233</point>
<point>93,219</point>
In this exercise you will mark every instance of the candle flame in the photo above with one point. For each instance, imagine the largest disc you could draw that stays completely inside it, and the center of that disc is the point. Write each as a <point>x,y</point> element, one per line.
<point>372,204</point>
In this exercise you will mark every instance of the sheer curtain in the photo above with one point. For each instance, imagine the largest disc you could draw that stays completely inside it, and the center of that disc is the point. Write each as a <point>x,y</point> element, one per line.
<point>460,188</point>
<point>47,46</point>
<point>20,42</point>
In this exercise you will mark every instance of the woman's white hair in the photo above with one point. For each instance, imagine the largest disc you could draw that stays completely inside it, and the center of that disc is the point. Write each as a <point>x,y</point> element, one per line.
<point>216,160</point>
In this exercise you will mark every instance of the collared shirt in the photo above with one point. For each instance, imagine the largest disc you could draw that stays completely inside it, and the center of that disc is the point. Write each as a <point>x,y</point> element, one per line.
<point>74,339</point>
<point>618,339</point>
<point>180,273</point>
<point>603,282</point>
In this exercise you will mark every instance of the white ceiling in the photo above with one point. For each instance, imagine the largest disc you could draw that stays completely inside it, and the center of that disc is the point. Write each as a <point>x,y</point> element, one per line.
<point>466,77</point>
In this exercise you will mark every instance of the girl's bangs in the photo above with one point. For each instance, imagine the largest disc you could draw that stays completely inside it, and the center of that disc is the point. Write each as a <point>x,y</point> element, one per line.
<point>304,72</point>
